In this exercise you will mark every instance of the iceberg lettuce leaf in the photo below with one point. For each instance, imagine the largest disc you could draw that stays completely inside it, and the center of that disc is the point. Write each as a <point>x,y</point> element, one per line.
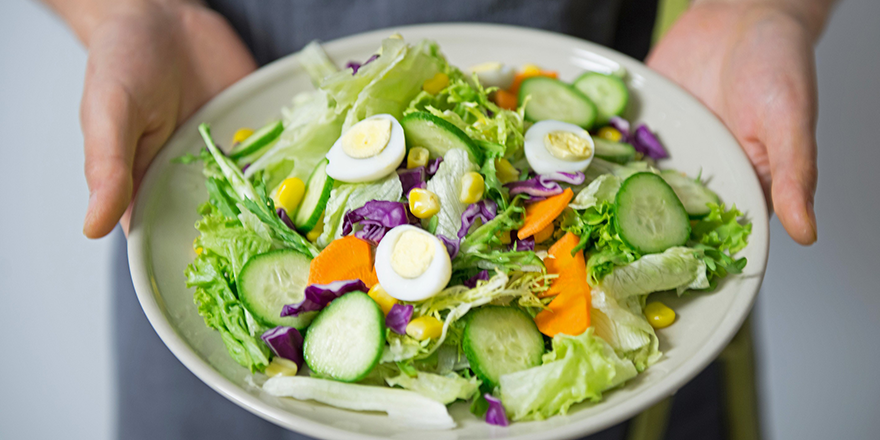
<point>442,388</point>
<point>578,368</point>
<point>677,268</point>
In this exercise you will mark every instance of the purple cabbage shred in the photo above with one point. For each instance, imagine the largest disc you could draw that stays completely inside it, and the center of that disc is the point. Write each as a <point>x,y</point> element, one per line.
<point>484,210</point>
<point>285,342</point>
<point>526,244</point>
<point>545,185</point>
<point>398,317</point>
<point>282,214</point>
<point>452,245</point>
<point>376,218</point>
<point>495,415</point>
<point>355,66</point>
<point>412,178</point>
<point>317,296</point>
<point>646,142</point>
<point>471,282</point>
<point>434,165</point>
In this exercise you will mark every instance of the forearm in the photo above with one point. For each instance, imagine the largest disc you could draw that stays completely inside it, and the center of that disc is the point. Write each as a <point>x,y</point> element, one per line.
<point>84,15</point>
<point>812,13</point>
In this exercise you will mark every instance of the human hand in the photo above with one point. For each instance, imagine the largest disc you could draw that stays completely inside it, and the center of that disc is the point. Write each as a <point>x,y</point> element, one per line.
<point>752,64</point>
<point>151,65</point>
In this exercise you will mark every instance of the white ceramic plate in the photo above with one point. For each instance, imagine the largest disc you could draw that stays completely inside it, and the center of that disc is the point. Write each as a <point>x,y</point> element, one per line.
<point>160,241</point>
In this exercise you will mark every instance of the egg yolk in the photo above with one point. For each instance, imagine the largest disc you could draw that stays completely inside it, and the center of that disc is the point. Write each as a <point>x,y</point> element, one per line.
<point>412,254</point>
<point>367,138</point>
<point>566,145</point>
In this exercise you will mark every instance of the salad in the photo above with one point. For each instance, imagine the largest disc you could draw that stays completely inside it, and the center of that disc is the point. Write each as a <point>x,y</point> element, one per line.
<point>409,235</point>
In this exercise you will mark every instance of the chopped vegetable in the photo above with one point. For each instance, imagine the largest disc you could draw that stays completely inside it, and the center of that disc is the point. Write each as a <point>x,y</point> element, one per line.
<point>376,218</point>
<point>659,314</point>
<point>317,296</point>
<point>506,99</point>
<point>347,258</point>
<point>386,302</point>
<point>496,414</point>
<point>542,213</point>
<point>398,318</point>
<point>285,342</point>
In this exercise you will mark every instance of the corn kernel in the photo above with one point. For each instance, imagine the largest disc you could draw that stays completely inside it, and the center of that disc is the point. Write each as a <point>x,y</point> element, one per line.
<point>200,250</point>
<point>423,203</point>
<point>290,193</point>
<point>417,157</point>
<point>610,133</point>
<point>317,230</point>
<point>281,367</point>
<point>425,327</point>
<point>436,84</point>
<point>659,315</point>
<point>544,234</point>
<point>241,134</point>
<point>531,70</point>
<point>505,171</point>
<point>471,188</point>
<point>385,301</point>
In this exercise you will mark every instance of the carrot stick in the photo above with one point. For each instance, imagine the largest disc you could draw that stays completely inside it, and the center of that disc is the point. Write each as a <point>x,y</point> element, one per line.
<point>572,269</point>
<point>540,214</point>
<point>347,258</point>
<point>568,313</point>
<point>505,99</point>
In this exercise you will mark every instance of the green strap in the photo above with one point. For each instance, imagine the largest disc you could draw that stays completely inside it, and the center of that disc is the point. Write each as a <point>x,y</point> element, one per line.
<point>668,12</point>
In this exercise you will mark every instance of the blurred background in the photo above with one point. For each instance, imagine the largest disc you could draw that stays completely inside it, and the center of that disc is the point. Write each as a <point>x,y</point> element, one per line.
<point>816,323</point>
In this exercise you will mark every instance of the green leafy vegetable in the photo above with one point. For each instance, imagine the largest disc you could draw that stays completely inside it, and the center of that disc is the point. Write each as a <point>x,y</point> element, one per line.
<point>603,189</point>
<point>349,196</point>
<point>482,247</point>
<point>442,388</point>
<point>597,233</point>
<point>446,184</point>
<point>719,236</point>
<point>578,368</point>
<point>678,268</point>
<point>222,311</point>
<point>625,328</point>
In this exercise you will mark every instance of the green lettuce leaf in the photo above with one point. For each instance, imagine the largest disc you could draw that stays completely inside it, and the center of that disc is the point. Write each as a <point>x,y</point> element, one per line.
<point>348,196</point>
<point>228,238</point>
<point>446,184</point>
<point>720,235</point>
<point>597,232</point>
<point>677,268</point>
<point>578,368</point>
<point>442,388</point>
<point>222,311</point>
<point>603,189</point>
<point>316,62</point>
<point>482,247</point>
<point>625,328</point>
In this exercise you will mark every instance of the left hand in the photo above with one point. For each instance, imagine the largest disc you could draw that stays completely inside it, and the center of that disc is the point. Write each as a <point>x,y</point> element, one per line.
<point>752,64</point>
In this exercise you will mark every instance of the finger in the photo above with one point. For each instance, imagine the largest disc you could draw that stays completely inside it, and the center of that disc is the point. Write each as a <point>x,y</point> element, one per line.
<point>108,117</point>
<point>791,148</point>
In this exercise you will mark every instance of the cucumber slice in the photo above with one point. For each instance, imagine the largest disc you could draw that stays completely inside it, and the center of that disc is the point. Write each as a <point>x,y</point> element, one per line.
<point>693,195</point>
<point>608,92</point>
<point>500,340</point>
<point>269,281</point>
<point>346,340</point>
<point>311,208</point>
<point>255,142</point>
<point>648,215</point>
<point>554,99</point>
<point>617,152</point>
<point>438,136</point>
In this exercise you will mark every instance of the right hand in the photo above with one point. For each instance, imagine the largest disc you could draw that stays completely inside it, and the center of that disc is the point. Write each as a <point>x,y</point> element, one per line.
<point>150,67</point>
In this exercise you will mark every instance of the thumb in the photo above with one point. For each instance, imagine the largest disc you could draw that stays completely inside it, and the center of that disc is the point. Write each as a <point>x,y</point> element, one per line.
<point>108,116</point>
<point>791,151</point>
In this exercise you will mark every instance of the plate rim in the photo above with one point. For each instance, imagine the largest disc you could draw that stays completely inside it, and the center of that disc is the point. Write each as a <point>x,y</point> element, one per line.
<point>141,269</point>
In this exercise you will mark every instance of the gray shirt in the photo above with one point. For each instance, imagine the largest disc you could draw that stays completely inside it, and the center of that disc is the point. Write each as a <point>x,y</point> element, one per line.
<point>274,28</point>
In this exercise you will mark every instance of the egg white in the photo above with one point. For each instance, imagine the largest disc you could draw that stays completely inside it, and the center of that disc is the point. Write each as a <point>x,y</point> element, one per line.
<point>540,158</point>
<point>345,168</point>
<point>494,75</point>
<point>429,283</point>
